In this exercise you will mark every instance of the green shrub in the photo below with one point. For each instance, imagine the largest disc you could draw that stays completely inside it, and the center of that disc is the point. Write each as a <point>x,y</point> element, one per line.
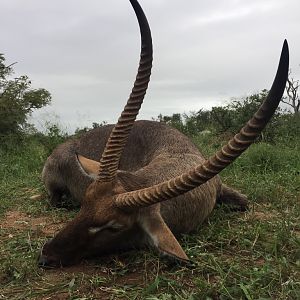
<point>53,136</point>
<point>229,119</point>
<point>17,100</point>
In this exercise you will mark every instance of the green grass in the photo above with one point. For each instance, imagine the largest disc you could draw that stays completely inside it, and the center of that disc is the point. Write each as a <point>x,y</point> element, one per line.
<point>251,255</point>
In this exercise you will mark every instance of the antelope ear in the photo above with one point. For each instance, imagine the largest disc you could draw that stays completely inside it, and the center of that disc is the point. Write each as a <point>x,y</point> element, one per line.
<point>162,238</point>
<point>91,167</point>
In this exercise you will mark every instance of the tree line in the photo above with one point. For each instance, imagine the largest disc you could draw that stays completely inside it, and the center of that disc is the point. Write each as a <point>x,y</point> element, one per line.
<point>231,117</point>
<point>18,100</point>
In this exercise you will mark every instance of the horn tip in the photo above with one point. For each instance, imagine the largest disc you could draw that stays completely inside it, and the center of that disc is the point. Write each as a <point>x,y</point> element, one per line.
<point>285,49</point>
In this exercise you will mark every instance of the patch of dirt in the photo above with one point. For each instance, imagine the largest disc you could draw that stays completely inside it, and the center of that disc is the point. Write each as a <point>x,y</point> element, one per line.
<point>264,215</point>
<point>212,279</point>
<point>85,276</point>
<point>260,262</point>
<point>61,296</point>
<point>261,213</point>
<point>20,221</point>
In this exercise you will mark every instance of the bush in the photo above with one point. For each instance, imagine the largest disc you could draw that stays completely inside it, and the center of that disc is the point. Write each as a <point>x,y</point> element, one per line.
<point>17,100</point>
<point>229,119</point>
<point>287,129</point>
<point>53,136</point>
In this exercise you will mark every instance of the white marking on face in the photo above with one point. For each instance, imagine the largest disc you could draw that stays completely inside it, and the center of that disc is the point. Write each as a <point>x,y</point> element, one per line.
<point>153,238</point>
<point>115,224</point>
<point>93,230</point>
<point>111,224</point>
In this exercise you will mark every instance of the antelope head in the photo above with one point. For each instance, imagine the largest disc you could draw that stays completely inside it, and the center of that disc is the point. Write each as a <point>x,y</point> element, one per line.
<point>118,208</point>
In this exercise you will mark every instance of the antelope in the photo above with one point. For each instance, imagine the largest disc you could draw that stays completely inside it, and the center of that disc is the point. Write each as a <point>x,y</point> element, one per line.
<point>150,184</point>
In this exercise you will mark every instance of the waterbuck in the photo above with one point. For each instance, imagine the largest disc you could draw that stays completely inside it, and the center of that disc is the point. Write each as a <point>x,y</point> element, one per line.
<point>151,182</point>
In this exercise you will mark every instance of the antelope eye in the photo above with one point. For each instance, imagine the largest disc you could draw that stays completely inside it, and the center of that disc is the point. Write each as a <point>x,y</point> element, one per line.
<point>94,230</point>
<point>110,226</point>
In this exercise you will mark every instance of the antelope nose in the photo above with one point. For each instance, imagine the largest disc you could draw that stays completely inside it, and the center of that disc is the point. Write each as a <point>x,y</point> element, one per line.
<point>43,261</point>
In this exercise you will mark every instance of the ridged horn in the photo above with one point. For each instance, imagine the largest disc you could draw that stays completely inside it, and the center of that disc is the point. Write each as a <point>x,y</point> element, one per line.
<point>216,163</point>
<point>110,158</point>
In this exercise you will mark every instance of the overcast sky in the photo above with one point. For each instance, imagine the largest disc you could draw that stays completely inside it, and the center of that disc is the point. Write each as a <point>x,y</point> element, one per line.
<point>86,52</point>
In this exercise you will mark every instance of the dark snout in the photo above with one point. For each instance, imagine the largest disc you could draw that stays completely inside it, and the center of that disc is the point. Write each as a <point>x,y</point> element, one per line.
<point>51,257</point>
<point>45,261</point>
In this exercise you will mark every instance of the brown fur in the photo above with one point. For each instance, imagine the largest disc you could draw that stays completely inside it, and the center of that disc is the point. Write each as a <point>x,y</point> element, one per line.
<point>154,153</point>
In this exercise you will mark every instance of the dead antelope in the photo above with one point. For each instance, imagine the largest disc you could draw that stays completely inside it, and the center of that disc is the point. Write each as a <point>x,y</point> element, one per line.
<point>151,182</point>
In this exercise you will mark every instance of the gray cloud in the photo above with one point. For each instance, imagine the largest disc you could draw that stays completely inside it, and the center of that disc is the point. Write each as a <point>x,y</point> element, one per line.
<point>86,52</point>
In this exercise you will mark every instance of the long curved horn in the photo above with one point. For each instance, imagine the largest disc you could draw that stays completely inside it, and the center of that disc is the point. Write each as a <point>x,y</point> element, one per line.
<point>216,163</point>
<point>111,155</point>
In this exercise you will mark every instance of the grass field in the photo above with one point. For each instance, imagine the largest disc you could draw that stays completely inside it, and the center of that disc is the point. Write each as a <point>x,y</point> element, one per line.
<point>235,255</point>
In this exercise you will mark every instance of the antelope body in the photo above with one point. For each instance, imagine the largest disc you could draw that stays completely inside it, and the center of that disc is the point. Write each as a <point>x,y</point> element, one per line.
<point>154,153</point>
<point>151,181</point>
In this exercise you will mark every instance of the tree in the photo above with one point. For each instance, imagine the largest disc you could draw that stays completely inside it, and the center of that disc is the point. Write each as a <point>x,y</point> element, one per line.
<point>292,99</point>
<point>79,131</point>
<point>222,118</point>
<point>17,100</point>
<point>196,122</point>
<point>175,121</point>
